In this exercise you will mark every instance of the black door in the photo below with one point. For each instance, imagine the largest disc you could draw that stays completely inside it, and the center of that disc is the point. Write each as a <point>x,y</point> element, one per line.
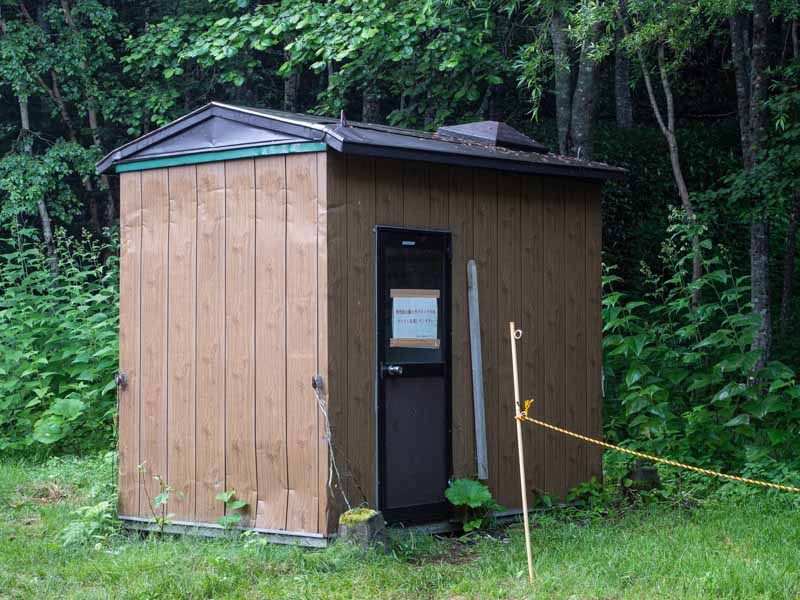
<point>413,292</point>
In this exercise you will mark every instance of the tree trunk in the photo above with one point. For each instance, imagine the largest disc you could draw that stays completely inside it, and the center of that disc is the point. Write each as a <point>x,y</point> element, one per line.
<point>370,107</point>
<point>759,282</point>
<point>93,126</point>
<point>291,86</point>
<point>759,231</point>
<point>668,129</point>
<point>788,264</point>
<point>484,110</point>
<point>583,100</point>
<point>677,172</point>
<point>740,50</point>
<point>563,80</point>
<point>787,295</point>
<point>41,205</point>
<point>622,88</point>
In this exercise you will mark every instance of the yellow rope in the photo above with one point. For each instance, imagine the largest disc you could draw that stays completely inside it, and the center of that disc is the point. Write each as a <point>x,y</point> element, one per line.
<point>523,416</point>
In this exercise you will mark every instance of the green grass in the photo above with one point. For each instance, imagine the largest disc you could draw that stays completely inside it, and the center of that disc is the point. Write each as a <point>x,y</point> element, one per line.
<point>742,549</point>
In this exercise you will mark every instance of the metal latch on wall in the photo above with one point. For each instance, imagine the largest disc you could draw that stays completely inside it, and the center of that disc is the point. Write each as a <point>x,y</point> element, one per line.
<point>121,380</point>
<point>316,382</point>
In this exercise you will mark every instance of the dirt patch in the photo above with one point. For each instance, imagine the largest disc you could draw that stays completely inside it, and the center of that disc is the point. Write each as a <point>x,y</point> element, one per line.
<point>42,492</point>
<point>458,553</point>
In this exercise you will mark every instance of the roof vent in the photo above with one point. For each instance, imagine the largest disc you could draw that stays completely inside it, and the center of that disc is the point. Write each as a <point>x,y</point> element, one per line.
<point>491,133</point>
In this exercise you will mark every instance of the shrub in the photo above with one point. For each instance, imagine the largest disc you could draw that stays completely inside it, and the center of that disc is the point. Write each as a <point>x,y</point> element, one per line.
<point>679,378</point>
<point>58,344</point>
<point>474,504</point>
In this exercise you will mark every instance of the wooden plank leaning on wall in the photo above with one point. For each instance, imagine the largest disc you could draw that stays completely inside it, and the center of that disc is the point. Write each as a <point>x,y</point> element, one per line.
<point>129,340</point>
<point>273,485</point>
<point>181,353</point>
<point>210,409</point>
<point>240,455</point>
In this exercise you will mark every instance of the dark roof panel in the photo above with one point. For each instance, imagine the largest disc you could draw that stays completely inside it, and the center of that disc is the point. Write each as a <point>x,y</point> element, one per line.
<point>216,133</point>
<point>219,126</point>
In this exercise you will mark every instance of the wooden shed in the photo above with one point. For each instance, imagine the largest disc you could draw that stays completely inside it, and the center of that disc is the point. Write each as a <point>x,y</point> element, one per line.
<point>294,319</point>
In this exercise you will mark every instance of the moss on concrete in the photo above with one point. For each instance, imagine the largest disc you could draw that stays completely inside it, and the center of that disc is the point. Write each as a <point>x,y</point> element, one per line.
<point>355,516</point>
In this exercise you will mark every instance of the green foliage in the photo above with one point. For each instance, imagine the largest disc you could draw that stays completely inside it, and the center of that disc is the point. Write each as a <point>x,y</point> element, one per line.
<point>774,179</point>
<point>436,57</point>
<point>58,332</point>
<point>468,492</point>
<point>92,523</point>
<point>636,210</point>
<point>680,379</point>
<point>158,504</point>
<point>230,519</point>
<point>474,502</point>
<point>26,179</point>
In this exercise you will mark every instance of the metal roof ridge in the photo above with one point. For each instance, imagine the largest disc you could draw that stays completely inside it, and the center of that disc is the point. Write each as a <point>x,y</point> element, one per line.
<point>249,111</point>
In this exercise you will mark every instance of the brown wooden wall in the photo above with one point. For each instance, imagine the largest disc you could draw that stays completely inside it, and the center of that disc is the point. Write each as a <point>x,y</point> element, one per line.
<point>537,245</point>
<point>241,279</point>
<point>220,322</point>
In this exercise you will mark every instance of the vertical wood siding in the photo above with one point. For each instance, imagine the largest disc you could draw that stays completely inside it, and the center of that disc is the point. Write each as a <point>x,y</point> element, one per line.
<point>273,484</point>
<point>301,342</point>
<point>219,345</point>
<point>594,329</point>
<point>485,246</point>
<point>130,319</point>
<point>325,470</point>
<point>460,223</point>
<point>537,245</point>
<point>155,303</point>
<point>335,297</point>
<point>360,346</point>
<point>181,355</point>
<point>532,368</point>
<point>210,391</point>
<point>240,406</point>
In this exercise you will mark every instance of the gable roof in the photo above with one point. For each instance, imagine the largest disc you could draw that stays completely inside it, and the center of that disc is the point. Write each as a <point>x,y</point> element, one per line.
<point>238,131</point>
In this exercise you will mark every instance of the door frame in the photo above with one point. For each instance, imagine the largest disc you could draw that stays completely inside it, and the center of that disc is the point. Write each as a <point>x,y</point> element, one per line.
<point>429,512</point>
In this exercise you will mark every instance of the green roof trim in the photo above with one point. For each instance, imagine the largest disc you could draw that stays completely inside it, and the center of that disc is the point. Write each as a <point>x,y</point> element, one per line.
<point>217,155</point>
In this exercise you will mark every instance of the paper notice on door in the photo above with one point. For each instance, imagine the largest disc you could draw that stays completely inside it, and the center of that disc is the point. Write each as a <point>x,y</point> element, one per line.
<point>415,318</point>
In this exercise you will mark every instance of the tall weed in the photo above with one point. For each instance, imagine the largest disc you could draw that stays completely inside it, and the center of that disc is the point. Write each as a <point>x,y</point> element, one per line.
<point>58,344</point>
<point>679,378</point>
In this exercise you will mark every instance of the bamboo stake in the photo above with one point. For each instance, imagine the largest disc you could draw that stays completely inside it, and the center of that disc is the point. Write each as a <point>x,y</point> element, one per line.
<point>515,335</point>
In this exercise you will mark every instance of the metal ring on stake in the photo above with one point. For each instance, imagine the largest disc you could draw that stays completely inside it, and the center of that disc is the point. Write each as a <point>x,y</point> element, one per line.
<point>518,334</point>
